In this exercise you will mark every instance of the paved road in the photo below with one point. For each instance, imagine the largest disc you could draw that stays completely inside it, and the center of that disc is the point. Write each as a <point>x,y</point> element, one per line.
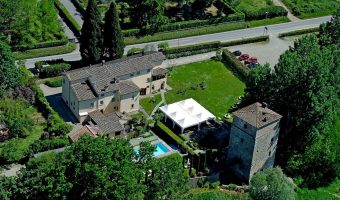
<point>274,30</point>
<point>73,11</point>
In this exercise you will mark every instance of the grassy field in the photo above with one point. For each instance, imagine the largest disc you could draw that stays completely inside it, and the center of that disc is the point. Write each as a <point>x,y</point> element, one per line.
<point>331,192</point>
<point>34,53</point>
<point>251,5</point>
<point>312,8</point>
<point>148,104</point>
<point>203,30</point>
<point>222,87</point>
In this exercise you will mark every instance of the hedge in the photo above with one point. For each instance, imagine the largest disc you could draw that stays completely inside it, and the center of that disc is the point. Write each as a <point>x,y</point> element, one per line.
<point>40,45</point>
<point>70,21</point>
<point>54,70</point>
<point>267,12</point>
<point>176,52</point>
<point>299,32</point>
<point>55,124</point>
<point>235,65</point>
<point>49,144</point>
<point>134,50</point>
<point>54,82</point>
<point>245,41</point>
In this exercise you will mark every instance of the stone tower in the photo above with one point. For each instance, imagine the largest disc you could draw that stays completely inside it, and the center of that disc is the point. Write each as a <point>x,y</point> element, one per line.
<point>253,140</point>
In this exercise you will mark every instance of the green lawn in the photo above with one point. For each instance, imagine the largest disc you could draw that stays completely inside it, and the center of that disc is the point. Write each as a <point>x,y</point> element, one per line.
<point>251,5</point>
<point>222,87</point>
<point>312,8</point>
<point>34,53</point>
<point>148,104</point>
<point>331,192</point>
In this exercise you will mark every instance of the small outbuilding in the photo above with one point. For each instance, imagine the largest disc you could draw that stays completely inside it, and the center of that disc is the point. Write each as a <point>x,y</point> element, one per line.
<point>186,114</point>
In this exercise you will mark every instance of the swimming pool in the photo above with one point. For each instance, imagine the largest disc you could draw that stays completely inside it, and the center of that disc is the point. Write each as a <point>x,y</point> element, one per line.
<point>160,149</point>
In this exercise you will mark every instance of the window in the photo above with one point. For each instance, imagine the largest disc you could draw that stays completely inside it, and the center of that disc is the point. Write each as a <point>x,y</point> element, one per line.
<point>245,126</point>
<point>131,74</point>
<point>138,72</point>
<point>270,153</point>
<point>92,105</point>
<point>149,70</point>
<point>101,102</point>
<point>271,141</point>
<point>241,140</point>
<point>102,95</point>
<point>113,99</point>
<point>117,133</point>
<point>132,105</point>
<point>153,87</point>
<point>133,96</point>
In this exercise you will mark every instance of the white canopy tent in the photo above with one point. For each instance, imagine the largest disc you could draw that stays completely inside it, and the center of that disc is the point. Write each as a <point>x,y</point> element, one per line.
<point>186,113</point>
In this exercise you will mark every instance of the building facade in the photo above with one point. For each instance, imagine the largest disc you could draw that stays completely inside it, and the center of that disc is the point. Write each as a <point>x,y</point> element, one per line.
<point>253,140</point>
<point>113,86</point>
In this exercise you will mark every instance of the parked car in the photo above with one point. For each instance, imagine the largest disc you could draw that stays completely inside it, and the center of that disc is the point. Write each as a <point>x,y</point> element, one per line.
<point>251,60</point>
<point>237,53</point>
<point>252,65</point>
<point>244,57</point>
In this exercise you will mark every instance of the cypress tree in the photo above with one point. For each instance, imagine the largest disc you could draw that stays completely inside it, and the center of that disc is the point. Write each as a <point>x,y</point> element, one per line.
<point>113,37</point>
<point>91,35</point>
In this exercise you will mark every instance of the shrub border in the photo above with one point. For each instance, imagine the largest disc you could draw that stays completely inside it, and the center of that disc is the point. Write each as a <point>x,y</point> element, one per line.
<point>299,32</point>
<point>235,65</point>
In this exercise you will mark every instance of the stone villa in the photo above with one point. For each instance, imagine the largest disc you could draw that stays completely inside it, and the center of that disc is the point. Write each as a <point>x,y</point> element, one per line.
<point>112,87</point>
<point>253,140</point>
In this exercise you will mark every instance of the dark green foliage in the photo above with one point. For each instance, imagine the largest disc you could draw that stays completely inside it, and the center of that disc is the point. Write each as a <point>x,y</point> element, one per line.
<point>49,144</point>
<point>195,47</point>
<point>56,82</point>
<point>163,184</point>
<point>330,31</point>
<point>267,12</point>
<point>301,7</point>
<point>54,70</point>
<point>40,45</point>
<point>10,74</point>
<point>309,73</point>
<point>113,37</point>
<point>236,66</point>
<point>271,184</point>
<point>134,50</point>
<point>245,41</point>
<point>91,35</point>
<point>7,185</point>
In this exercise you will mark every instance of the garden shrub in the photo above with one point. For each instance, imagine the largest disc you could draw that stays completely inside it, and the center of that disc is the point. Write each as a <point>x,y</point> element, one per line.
<point>130,32</point>
<point>54,70</point>
<point>45,145</point>
<point>40,45</point>
<point>195,47</point>
<point>236,66</point>
<point>245,41</point>
<point>267,12</point>
<point>57,82</point>
<point>215,185</point>
<point>299,32</point>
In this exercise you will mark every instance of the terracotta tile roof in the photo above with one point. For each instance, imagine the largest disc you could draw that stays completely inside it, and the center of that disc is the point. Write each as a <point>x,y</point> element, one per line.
<point>108,123</point>
<point>85,130</point>
<point>257,115</point>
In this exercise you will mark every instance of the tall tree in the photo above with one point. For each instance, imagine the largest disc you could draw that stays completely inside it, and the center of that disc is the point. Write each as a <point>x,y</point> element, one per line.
<point>271,184</point>
<point>91,35</point>
<point>10,74</point>
<point>113,37</point>
<point>330,31</point>
<point>303,88</point>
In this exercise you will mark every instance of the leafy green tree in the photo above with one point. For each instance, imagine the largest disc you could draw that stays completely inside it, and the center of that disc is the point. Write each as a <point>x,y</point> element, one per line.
<point>91,35</point>
<point>7,185</point>
<point>113,37</point>
<point>304,89</point>
<point>271,184</point>
<point>10,74</point>
<point>148,15</point>
<point>168,179</point>
<point>330,31</point>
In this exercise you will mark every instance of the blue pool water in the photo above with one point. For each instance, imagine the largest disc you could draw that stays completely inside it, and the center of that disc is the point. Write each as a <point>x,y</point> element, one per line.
<point>160,149</point>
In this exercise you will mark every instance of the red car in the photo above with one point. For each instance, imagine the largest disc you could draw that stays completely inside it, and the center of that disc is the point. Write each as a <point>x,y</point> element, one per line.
<point>244,57</point>
<point>251,60</point>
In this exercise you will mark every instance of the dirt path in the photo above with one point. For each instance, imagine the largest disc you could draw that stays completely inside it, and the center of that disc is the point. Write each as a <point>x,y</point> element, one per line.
<point>290,16</point>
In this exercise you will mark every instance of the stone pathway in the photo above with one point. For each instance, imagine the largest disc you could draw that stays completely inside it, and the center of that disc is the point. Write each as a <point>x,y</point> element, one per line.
<point>158,105</point>
<point>290,16</point>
